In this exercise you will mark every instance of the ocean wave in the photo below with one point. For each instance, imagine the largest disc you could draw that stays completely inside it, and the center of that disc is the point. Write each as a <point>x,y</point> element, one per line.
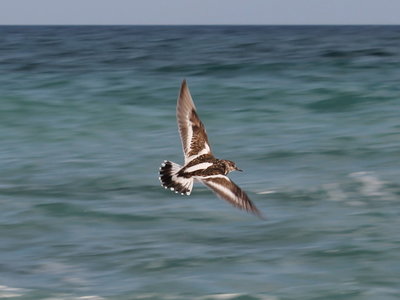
<point>343,102</point>
<point>357,189</point>
<point>10,292</point>
<point>379,52</point>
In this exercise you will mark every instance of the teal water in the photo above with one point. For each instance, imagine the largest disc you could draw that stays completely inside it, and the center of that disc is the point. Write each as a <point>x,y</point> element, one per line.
<point>311,114</point>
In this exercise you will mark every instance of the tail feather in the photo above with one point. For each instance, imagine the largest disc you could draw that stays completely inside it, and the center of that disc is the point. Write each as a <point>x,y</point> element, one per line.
<point>171,180</point>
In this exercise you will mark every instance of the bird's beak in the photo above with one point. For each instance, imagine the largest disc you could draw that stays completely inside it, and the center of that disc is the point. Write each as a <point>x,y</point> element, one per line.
<point>240,170</point>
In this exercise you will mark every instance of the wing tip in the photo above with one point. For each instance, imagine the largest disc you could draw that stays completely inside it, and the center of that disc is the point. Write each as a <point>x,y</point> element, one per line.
<point>239,200</point>
<point>185,102</point>
<point>251,208</point>
<point>258,214</point>
<point>184,87</point>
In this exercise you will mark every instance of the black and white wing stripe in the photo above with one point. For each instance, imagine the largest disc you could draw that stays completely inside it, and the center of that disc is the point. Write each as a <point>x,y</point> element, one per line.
<point>192,131</point>
<point>229,191</point>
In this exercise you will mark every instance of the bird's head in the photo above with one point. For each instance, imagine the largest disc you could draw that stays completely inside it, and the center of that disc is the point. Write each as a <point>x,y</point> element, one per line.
<point>231,166</point>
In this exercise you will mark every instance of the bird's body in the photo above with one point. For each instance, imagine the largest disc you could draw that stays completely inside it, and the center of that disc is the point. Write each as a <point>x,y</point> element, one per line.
<point>200,164</point>
<point>205,165</point>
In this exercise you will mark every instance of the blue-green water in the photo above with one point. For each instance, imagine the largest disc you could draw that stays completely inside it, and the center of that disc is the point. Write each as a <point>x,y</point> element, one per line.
<point>87,114</point>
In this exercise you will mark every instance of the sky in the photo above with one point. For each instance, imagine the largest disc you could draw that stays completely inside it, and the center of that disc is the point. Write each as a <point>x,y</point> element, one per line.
<point>179,12</point>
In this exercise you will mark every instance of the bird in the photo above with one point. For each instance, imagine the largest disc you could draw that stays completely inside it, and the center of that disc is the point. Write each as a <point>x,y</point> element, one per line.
<point>199,162</point>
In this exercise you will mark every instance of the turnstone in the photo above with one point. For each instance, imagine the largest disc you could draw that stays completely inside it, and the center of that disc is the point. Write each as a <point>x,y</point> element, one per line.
<point>200,164</point>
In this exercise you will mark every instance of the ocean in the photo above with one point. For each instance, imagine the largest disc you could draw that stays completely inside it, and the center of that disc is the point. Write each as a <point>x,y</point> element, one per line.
<point>310,113</point>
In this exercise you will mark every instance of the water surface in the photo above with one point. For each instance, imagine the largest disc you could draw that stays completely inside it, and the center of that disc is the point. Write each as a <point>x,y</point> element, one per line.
<point>87,114</point>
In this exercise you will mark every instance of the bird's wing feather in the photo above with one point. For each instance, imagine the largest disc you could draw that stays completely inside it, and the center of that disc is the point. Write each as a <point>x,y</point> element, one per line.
<point>192,131</point>
<point>229,191</point>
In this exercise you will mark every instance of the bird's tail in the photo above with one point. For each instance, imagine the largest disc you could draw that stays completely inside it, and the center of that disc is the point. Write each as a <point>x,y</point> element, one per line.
<point>171,180</point>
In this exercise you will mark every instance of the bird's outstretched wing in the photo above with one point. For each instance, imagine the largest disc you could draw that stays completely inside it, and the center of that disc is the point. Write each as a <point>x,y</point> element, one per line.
<point>229,191</point>
<point>191,129</point>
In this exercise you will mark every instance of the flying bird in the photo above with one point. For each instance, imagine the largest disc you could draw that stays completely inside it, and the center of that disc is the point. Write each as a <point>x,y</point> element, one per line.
<point>200,164</point>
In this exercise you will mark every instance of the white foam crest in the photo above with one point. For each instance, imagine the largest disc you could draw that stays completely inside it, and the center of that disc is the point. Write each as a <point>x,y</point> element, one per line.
<point>69,297</point>
<point>266,192</point>
<point>334,192</point>
<point>371,185</point>
<point>10,292</point>
<point>229,296</point>
<point>225,296</point>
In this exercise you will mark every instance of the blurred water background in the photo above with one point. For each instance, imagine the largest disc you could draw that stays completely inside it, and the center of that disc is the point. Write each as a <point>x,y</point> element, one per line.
<point>312,115</point>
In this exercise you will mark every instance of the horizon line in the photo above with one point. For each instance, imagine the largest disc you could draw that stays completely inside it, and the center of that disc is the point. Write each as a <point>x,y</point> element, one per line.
<point>227,24</point>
